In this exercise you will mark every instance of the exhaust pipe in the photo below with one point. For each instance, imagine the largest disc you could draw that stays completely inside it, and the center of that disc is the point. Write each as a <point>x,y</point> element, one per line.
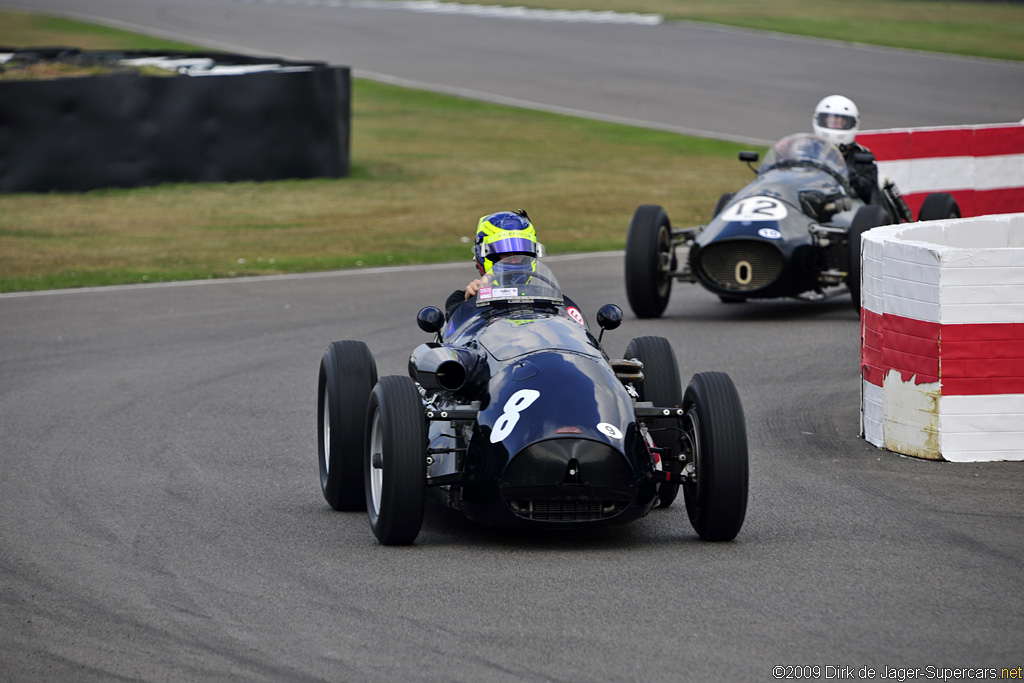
<point>438,367</point>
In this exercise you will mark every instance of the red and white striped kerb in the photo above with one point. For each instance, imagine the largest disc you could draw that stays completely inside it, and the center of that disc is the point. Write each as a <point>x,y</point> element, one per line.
<point>981,166</point>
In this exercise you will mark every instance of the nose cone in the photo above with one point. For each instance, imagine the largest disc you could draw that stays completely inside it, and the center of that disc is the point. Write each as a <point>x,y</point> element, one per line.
<point>568,480</point>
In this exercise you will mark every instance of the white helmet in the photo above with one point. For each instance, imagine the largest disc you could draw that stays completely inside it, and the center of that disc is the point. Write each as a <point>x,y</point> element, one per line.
<point>836,119</point>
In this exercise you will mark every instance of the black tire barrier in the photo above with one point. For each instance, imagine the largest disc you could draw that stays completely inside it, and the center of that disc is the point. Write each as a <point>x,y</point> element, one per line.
<point>267,120</point>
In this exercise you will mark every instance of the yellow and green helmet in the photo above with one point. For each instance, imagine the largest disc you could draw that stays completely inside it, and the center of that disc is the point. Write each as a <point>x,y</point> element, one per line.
<point>502,234</point>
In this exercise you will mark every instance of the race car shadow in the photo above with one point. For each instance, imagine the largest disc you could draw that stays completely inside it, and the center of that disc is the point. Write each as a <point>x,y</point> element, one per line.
<point>776,310</point>
<point>450,528</point>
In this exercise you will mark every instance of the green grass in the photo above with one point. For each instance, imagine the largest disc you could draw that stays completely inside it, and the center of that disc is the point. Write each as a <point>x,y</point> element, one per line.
<point>24,29</point>
<point>424,168</point>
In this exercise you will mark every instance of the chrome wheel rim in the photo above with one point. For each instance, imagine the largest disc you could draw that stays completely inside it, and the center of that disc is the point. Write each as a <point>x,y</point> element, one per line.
<point>664,268</point>
<point>376,473</point>
<point>327,433</point>
<point>692,430</point>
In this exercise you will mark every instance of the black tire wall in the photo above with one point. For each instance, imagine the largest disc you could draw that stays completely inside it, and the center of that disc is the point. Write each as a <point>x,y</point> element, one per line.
<point>126,130</point>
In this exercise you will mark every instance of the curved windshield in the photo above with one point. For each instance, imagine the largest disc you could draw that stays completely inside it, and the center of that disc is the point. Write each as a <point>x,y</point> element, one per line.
<point>804,148</point>
<point>519,279</point>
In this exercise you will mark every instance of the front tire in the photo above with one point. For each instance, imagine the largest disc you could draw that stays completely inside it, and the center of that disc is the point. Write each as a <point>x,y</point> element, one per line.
<point>650,260</point>
<point>395,464</point>
<point>662,387</point>
<point>867,217</point>
<point>716,499</point>
<point>939,206</point>
<point>347,375</point>
<point>723,202</point>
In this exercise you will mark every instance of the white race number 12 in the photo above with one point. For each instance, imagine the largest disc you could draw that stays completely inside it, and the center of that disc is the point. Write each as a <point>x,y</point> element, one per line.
<point>756,209</point>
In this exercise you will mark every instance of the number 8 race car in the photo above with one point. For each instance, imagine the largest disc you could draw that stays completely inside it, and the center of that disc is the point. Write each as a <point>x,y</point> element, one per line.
<point>794,231</point>
<point>515,415</point>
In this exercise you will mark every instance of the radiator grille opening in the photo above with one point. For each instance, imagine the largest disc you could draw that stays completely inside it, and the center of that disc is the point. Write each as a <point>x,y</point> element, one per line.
<point>741,265</point>
<point>566,510</point>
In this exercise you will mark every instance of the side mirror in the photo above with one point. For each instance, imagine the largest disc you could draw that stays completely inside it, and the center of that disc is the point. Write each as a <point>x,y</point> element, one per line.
<point>609,317</point>
<point>430,319</point>
<point>751,158</point>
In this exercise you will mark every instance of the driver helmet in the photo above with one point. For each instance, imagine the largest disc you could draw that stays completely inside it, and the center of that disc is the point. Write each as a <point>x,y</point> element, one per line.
<point>836,119</point>
<point>505,236</point>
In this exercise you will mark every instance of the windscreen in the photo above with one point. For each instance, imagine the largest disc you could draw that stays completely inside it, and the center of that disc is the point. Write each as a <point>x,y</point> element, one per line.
<point>804,148</point>
<point>519,279</point>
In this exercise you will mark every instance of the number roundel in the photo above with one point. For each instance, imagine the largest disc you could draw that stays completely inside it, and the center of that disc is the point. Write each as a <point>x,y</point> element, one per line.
<point>756,209</point>
<point>516,403</point>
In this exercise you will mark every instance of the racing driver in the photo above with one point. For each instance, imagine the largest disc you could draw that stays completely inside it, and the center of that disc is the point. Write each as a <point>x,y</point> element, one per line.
<point>837,119</point>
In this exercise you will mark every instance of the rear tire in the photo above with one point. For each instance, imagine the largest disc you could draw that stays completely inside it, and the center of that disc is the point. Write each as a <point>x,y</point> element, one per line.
<point>395,462</point>
<point>347,375</point>
<point>662,387</point>
<point>650,260</point>
<point>939,206</point>
<point>716,502</point>
<point>867,217</point>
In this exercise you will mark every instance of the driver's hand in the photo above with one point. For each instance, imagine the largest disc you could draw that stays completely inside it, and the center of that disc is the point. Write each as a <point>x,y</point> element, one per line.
<point>473,287</point>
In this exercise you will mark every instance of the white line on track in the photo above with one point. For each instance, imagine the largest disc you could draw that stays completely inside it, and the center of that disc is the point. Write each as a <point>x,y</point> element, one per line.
<point>495,11</point>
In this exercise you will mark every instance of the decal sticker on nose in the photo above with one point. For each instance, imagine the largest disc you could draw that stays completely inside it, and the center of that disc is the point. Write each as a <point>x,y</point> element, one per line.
<point>756,209</point>
<point>575,314</point>
<point>609,429</point>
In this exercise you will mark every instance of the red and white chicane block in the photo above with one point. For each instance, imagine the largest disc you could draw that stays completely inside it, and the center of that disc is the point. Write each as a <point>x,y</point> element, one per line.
<point>942,338</point>
<point>981,166</point>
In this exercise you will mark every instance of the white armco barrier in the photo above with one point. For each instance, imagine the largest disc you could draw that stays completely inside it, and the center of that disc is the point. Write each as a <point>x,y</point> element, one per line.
<point>942,338</point>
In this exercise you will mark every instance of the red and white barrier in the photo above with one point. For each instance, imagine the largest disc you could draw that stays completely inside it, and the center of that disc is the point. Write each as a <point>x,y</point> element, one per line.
<point>981,166</point>
<point>942,338</point>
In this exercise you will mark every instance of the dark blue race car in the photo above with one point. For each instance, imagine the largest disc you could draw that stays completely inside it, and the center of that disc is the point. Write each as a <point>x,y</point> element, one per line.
<point>515,415</point>
<point>794,231</point>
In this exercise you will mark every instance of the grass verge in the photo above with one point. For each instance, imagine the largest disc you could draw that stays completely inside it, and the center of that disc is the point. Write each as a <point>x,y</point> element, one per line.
<point>425,167</point>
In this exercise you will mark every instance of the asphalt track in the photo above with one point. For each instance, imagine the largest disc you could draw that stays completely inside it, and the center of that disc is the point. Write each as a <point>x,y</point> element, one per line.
<point>161,519</point>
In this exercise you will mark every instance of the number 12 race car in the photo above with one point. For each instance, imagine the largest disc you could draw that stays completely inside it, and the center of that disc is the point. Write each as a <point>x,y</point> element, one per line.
<point>794,231</point>
<point>515,415</point>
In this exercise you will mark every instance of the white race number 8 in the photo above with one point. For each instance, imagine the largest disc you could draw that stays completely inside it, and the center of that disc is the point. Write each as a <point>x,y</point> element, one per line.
<point>517,403</point>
